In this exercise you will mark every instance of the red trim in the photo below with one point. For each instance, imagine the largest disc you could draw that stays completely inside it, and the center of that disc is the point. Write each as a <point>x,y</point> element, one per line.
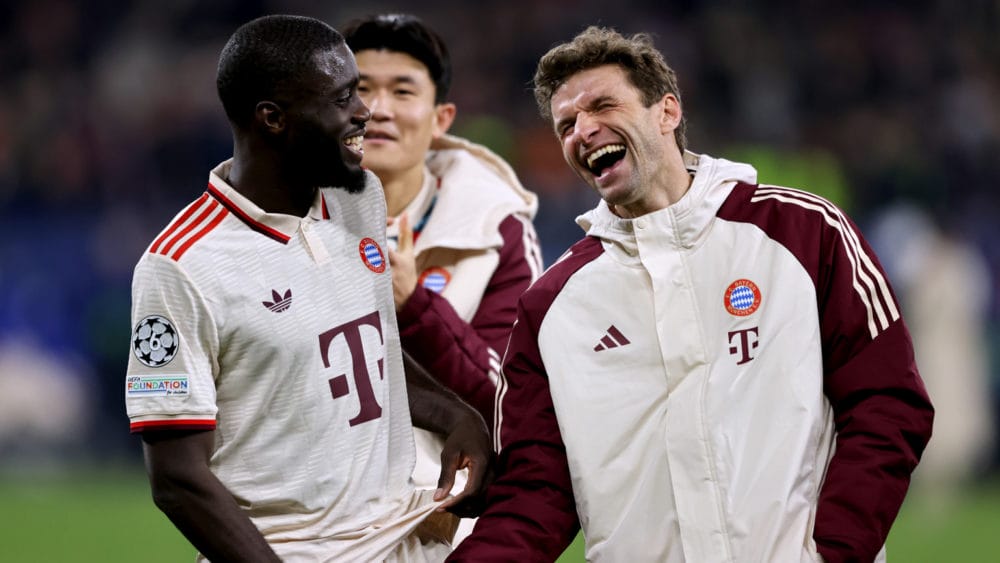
<point>255,225</point>
<point>205,230</point>
<point>197,221</point>
<point>326,212</point>
<point>174,424</point>
<point>178,222</point>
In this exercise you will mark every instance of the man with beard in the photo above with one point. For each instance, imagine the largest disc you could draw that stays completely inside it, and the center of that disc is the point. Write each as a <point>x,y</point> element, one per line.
<point>718,371</point>
<point>266,377</point>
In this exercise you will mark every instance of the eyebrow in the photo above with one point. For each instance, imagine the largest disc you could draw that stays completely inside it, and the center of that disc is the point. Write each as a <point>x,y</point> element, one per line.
<point>600,100</point>
<point>590,105</point>
<point>397,79</point>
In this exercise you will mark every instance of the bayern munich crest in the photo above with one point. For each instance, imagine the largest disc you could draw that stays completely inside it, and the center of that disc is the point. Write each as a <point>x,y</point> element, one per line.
<point>434,279</point>
<point>742,298</point>
<point>154,341</point>
<point>371,255</point>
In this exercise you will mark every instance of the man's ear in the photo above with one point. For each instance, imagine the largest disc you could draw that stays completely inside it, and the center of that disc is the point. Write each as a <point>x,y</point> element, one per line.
<point>444,116</point>
<point>670,114</point>
<point>269,117</point>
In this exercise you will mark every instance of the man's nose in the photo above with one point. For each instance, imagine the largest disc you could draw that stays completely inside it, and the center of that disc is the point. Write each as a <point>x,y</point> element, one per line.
<point>585,127</point>
<point>380,105</point>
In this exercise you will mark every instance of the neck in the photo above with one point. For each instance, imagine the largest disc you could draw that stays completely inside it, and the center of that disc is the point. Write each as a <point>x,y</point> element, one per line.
<point>260,177</point>
<point>401,189</point>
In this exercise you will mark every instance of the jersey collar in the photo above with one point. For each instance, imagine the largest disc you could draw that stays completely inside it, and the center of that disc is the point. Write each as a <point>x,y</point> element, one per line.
<point>277,226</point>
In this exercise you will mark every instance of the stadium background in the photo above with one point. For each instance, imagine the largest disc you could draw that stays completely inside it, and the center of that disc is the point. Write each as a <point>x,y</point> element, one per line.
<point>109,122</point>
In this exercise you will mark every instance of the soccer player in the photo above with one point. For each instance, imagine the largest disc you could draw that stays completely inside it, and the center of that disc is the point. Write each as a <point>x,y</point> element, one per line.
<point>466,245</point>
<point>718,371</point>
<point>266,378</point>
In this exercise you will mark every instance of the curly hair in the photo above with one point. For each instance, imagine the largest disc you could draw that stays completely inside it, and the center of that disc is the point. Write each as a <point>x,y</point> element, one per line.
<point>595,46</point>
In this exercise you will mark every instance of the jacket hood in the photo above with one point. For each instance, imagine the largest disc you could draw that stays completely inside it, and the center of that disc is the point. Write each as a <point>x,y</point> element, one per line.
<point>478,189</point>
<point>688,218</point>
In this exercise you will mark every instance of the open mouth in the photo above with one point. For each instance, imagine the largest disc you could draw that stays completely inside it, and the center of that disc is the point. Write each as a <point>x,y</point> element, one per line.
<point>604,158</point>
<point>355,143</point>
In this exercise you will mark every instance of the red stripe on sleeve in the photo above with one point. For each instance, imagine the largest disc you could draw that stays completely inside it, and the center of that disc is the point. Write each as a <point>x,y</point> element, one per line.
<point>205,230</point>
<point>175,424</point>
<point>180,221</point>
<point>198,220</point>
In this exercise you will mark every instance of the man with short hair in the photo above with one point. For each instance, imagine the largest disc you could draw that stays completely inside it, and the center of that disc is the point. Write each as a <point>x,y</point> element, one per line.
<point>718,371</point>
<point>466,245</point>
<point>266,377</point>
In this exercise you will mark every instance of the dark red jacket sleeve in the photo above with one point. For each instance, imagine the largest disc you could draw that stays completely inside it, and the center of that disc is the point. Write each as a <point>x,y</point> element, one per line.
<point>465,356</point>
<point>530,515</point>
<point>531,512</point>
<point>881,410</point>
<point>882,413</point>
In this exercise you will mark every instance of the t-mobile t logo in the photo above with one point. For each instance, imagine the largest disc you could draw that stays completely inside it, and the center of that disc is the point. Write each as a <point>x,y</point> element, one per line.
<point>370,409</point>
<point>746,342</point>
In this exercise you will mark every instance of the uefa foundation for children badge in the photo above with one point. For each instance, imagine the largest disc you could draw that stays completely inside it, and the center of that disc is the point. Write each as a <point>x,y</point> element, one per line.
<point>742,298</point>
<point>371,255</point>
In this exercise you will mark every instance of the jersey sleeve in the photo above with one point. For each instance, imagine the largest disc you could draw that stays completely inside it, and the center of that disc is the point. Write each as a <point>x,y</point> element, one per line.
<point>882,413</point>
<point>465,356</point>
<point>169,382</point>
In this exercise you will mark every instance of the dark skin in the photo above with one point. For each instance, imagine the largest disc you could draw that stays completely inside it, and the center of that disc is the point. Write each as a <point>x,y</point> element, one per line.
<point>463,427</point>
<point>275,165</point>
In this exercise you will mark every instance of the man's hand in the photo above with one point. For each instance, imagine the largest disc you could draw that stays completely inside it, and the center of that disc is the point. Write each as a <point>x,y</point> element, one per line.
<point>468,444</point>
<point>403,263</point>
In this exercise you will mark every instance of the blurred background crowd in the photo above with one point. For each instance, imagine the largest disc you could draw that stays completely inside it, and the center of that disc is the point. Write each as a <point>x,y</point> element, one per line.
<point>109,123</point>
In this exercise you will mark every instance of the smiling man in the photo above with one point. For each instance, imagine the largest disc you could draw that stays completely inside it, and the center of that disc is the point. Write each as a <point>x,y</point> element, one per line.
<point>717,372</point>
<point>466,245</point>
<point>266,376</point>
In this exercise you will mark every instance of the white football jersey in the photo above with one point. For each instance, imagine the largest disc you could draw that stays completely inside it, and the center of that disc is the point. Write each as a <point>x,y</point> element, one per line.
<point>279,333</point>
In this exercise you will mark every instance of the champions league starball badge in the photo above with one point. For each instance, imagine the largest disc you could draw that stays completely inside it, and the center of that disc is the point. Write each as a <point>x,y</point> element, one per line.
<point>154,341</point>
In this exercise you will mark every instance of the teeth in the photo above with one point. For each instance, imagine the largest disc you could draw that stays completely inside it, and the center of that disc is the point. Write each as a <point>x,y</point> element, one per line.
<point>355,143</point>
<point>603,151</point>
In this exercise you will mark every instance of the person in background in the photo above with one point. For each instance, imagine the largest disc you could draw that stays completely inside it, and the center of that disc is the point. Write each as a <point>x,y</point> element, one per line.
<point>718,371</point>
<point>466,247</point>
<point>266,376</point>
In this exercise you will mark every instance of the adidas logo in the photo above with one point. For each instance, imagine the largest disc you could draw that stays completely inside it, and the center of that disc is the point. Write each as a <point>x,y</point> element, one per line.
<point>280,303</point>
<point>613,339</point>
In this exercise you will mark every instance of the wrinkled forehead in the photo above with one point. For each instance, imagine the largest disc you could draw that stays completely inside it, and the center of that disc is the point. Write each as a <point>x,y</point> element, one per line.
<point>580,89</point>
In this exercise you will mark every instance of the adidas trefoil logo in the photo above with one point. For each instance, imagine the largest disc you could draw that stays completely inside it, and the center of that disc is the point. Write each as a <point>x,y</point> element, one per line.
<point>280,303</point>
<point>612,339</point>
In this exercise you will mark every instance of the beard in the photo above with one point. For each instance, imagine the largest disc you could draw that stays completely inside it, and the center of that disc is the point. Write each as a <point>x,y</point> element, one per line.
<point>322,165</point>
<point>352,180</point>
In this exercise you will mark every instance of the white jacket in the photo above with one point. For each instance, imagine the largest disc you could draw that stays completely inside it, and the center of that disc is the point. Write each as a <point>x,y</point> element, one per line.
<point>676,381</point>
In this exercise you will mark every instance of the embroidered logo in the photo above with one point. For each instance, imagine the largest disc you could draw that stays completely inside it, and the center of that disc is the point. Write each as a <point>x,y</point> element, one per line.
<point>371,255</point>
<point>743,342</point>
<point>281,302</point>
<point>612,339</point>
<point>434,279</point>
<point>154,341</point>
<point>742,298</point>
<point>156,385</point>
